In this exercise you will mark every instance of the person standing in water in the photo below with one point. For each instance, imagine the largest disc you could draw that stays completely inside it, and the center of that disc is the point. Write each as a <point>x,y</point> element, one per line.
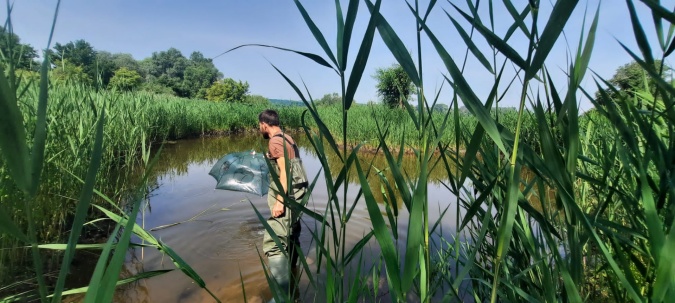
<point>284,156</point>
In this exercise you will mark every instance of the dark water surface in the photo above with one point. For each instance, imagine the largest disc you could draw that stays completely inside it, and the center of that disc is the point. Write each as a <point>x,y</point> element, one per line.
<point>220,231</point>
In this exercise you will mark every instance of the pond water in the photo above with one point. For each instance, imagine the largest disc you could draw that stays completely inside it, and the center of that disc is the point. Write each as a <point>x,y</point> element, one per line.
<point>220,231</point>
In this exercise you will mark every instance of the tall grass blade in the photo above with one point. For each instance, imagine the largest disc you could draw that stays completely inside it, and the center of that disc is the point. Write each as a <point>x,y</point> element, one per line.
<point>584,57</point>
<point>322,127</point>
<point>274,286</point>
<point>82,204</point>
<point>424,272</point>
<point>13,135</point>
<point>412,114</point>
<point>315,31</point>
<point>106,286</point>
<point>395,45</point>
<point>115,265</point>
<point>464,90</point>
<point>340,34</point>
<point>639,33</point>
<point>8,227</point>
<point>472,46</point>
<point>432,3</point>
<point>494,40</point>
<point>139,231</point>
<point>64,246</point>
<point>346,37</point>
<point>670,49</point>
<point>354,290</point>
<point>394,165</point>
<point>314,57</point>
<point>653,221</point>
<point>517,18</point>
<point>185,268</point>
<point>135,278</point>
<point>358,247</point>
<point>100,268</point>
<point>665,272</point>
<point>440,218</point>
<point>305,265</point>
<point>515,25</point>
<point>361,59</point>
<point>660,11</point>
<point>269,229</point>
<point>658,26</point>
<point>505,230</point>
<point>554,26</point>
<point>466,269</point>
<point>477,204</point>
<point>243,289</point>
<point>40,135</point>
<point>413,263</point>
<point>353,156</point>
<point>382,235</point>
<point>632,291</point>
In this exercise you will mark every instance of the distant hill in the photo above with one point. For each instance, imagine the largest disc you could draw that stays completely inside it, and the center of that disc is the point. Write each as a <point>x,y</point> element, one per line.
<point>281,102</point>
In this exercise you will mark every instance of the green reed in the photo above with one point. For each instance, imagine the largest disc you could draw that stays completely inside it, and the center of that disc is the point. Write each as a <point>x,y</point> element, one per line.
<point>49,137</point>
<point>602,229</point>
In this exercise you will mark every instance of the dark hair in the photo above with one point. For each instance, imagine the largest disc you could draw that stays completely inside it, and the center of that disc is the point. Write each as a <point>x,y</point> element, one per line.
<point>270,117</point>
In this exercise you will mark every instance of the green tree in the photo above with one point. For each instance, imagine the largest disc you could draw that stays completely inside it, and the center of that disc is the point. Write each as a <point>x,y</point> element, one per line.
<point>329,99</point>
<point>199,75</point>
<point>125,79</point>
<point>126,60</point>
<point>167,68</point>
<point>157,88</point>
<point>79,53</point>
<point>107,63</point>
<point>67,72</point>
<point>227,90</point>
<point>393,85</point>
<point>105,66</point>
<point>629,78</point>
<point>22,55</point>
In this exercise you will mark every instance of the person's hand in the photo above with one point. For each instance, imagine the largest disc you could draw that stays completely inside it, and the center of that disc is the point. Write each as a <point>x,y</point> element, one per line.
<point>278,209</point>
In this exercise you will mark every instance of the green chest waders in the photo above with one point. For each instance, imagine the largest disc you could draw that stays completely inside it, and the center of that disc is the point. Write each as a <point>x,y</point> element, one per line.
<point>287,227</point>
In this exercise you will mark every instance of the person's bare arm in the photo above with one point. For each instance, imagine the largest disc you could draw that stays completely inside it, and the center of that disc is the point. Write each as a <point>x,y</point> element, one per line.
<point>278,209</point>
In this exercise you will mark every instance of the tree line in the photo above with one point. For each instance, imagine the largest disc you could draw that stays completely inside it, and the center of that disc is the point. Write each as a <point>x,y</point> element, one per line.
<point>165,72</point>
<point>170,72</point>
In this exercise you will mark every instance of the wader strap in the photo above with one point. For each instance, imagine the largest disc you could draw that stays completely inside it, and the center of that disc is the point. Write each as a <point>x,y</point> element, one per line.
<point>295,147</point>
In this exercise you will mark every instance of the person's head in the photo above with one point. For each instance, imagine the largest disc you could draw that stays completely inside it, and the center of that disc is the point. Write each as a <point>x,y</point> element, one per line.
<point>268,120</point>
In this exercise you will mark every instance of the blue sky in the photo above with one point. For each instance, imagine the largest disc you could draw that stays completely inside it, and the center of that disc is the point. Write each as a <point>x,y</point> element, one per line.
<point>143,27</point>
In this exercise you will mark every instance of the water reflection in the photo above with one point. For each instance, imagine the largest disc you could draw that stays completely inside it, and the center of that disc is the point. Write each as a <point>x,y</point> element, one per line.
<point>218,233</point>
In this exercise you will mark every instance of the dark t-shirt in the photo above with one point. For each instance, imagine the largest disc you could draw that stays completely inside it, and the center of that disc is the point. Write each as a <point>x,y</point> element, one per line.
<point>276,147</point>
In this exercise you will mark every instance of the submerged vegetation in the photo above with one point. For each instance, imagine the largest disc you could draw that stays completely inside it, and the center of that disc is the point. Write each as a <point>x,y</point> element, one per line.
<point>603,179</point>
